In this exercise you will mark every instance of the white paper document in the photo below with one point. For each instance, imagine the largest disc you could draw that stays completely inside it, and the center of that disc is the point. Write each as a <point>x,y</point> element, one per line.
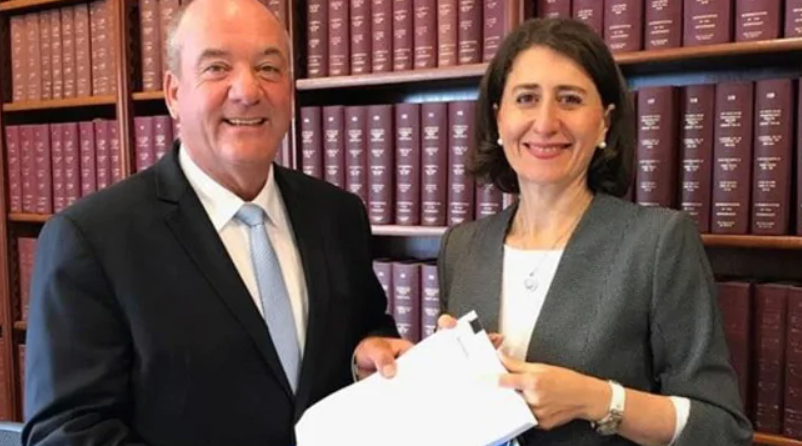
<point>445,393</point>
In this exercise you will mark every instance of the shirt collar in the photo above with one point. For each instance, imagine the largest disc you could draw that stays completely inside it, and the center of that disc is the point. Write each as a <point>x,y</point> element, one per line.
<point>220,203</point>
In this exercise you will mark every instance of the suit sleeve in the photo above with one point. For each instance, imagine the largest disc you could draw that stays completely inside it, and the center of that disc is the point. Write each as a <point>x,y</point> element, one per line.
<point>690,352</point>
<point>78,347</point>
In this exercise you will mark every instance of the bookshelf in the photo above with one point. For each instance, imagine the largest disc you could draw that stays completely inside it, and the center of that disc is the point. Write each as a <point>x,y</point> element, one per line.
<point>723,60</point>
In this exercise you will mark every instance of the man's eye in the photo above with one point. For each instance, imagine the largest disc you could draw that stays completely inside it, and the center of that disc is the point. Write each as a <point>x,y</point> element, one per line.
<point>216,68</point>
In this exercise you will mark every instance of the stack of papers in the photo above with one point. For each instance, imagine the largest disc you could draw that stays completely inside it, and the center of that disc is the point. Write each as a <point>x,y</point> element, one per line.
<point>445,392</point>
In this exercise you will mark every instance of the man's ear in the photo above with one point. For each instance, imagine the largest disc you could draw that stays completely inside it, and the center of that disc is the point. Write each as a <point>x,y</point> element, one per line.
<point>171,93</point>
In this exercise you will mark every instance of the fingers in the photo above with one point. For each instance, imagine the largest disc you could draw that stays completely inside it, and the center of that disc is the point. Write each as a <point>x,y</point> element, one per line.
<point>512,364</point>
<point>496,339</point>
<point>377,353</point>
<point>446,321</point>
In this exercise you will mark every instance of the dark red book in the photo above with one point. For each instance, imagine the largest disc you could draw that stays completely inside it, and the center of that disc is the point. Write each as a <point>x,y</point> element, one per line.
<point>382,31</point>
<point>26,247</point>
<point>591,13</point>
<point>361,36</point>
<point>68,50</point>
<point>163,136</point>
<point>317,58</point>
<point>333,145</point>
<point>143,135</point>
<point>383,268</point>
<point>447,35</point>
<point>83,51</point>
<point>623,25</point>
<point>72,162</point>
<point>554,8</point>
<point>469,32</point>
<point>489,200</point>
<point>792,413</point>
<point>403,35</point>
<point>499,17</point>
<point>663,24</point>
<point>707,22</point>
<point>425,39</point>
<point>793,18</point>
<point>44,173</point>
<point>380,164</point>
<point>102,154</point>
<point>312,141</point>
<point>434,162</point>
<point>697,120</point>
<point>57,166</point>
<point>57,65</point>
<point>34,57</point>
<point>19,58</point>
<point>461,187</point>
<point>735,302</point>
<point>657,146</point>
<point>407,299</point>
<point>14,160</point>
<point>46,54</point>
<point>28,167</point>
<point>771,302</point>
<point>757,20</point>
<point>407,164</point>
<point>338,39</point>
<point>86,134</point>
<point>150,41</point>
<point>356,151</point>
<point>430,298</point>
<point>115,153</point>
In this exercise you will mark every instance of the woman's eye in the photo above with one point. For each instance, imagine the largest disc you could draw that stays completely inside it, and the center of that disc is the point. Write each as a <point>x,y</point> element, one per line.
<point>571,99</point>
<point>525,98</point>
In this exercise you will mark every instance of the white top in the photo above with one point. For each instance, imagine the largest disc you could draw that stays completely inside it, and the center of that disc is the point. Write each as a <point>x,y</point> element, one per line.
<point>521,306</point>
<point>222,205</point>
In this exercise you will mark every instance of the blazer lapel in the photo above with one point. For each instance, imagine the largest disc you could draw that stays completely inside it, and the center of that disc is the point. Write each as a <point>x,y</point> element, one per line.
<point>192,228</point>
<point>566,319</point>
<point>311,247</point>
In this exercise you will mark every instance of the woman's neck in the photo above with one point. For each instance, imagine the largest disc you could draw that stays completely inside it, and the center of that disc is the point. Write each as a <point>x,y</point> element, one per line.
<point>546,220</point>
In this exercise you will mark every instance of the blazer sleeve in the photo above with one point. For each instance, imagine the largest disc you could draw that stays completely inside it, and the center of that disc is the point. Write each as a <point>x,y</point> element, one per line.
<point>78,347</point>
<point>690,351</point>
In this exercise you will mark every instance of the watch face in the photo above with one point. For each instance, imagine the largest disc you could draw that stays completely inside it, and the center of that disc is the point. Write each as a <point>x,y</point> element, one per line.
<point>609,425</point>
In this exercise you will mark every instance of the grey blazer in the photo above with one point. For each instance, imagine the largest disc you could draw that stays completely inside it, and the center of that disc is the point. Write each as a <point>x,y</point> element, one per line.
<point>633,300</point>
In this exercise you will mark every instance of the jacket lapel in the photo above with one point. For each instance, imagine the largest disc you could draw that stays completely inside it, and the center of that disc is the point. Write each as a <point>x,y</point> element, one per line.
<point>311,248</point>
<point>191,226</point>
<point>566,320</point>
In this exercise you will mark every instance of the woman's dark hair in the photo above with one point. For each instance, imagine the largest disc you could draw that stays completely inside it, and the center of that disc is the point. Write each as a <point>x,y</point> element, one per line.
<point>610,169</point>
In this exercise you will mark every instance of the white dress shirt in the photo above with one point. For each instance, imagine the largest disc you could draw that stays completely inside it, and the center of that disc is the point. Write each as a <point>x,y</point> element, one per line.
<point>222,205</point>
<point>520,308</point>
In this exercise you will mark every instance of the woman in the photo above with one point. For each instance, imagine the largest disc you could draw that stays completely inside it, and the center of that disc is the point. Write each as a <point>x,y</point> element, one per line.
<point>607,309</point>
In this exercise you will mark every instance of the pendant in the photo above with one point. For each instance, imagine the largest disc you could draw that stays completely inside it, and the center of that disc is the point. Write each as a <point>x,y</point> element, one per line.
<point>530,284</point>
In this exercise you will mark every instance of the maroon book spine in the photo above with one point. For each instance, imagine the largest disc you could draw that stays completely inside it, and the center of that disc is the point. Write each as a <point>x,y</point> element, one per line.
<point>83,51</point>
<point>732,154</point>
<point>799,158</point>
<point>150,42</point>
<point>115,153</point>
<point>460,140</point>
<point>86,132</point>
<point>793,18</point>
<point>57,165</point>
<point>338,39</point>
<point>735,302</point>
<point>44,172</point>
<point>407,300</point>
<point>430,299</point>
<point>434,161</point>
<point>469,33</point>
<point>143,150</point>
<point>28,168</point>
<point>403,30</point>
<point>771,172</point>
<point>14,160</point>
<point>46,54</point>
<point>34,56</point>
<point>657,146</point>
<point>447,35</point>
<point>407,164</point>
<point>771,302</point>
<point>163,134</point>
<point>19,58</point>
<point>380,164</point>
<point>498,19</point>
<point>488,200</point>
<point>382,29</point>
<point>707,22</point>
<point>590,12</point>
<point>99,38</point>
<point>757,20</point>
<point>57,64</point>
<point>102,158</point>
<point>26,252</point>
<point>623,25</point>
<point>663,24</point>
<point>167,9</point>
<point>361,36</point>
<point>72,162</point>
<point>279,8</point>
<point>333,145</point>
<point>554,8</point>
<point>316,43</point>
<point>696,152</point>
<point>425,40</point>
<point>356,151</point>
<point>792,413</point>
<point>68,56</point>
<point>312,142</point>
<point>383,269</point>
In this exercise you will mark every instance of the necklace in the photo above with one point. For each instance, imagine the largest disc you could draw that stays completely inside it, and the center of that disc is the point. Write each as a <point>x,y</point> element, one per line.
<point>530,282</point>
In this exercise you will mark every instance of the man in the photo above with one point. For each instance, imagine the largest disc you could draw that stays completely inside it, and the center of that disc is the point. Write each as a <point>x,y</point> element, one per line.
<point>164,310</point>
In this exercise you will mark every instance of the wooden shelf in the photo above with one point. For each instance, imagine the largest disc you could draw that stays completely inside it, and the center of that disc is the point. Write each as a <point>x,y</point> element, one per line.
<point>775,440</point>
<point>16,5</point>
<point>149,96</point>
<point>396,77</point>
<point>59,103</point>
<point>777,46</point>
<point>404,231</point>
<point>21,325</point>
<point>28,218</point>
<point>753,241</point>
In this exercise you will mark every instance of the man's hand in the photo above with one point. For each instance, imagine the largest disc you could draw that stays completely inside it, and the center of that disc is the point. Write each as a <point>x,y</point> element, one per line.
<point>376,353</point>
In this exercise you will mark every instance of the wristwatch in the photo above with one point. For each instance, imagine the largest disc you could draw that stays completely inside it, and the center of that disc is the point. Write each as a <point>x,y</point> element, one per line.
<point>608,425</point>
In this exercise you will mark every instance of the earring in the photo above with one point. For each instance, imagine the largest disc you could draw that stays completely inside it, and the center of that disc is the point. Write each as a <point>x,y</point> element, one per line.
<point>500,142</point>
<point>602,145</point>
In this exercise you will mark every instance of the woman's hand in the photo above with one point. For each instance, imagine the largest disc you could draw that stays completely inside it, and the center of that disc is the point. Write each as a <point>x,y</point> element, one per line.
<point>556,395</point>
<point>446,321</point>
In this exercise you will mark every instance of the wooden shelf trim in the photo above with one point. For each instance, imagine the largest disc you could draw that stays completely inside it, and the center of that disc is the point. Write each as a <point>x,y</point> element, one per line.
<point>148,95</point>
<point>59,103</point>
<point>775,440</point>
<point>25,4</point>
<point>28,218</point>
<point>623,59</point>
<point>21,325</point>
<point>405,231</point>
<point>753,241</point>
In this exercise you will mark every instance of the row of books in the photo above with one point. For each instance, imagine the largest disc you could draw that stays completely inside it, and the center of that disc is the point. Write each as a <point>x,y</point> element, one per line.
<point>375,36</point>
<point>725,153</point>
<point>406,161</point>
<point>64,52</point>
<point>154,18</point>
<point>634,25</point>
<point>763,326</point>
<point>413,295</point>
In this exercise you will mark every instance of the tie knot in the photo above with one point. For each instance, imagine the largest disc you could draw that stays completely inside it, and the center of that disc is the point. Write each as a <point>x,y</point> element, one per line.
<point>251,215</point>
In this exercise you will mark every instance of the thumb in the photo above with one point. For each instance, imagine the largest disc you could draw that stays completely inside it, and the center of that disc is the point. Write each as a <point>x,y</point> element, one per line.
<point>446,321</point>
<point>512,365</point>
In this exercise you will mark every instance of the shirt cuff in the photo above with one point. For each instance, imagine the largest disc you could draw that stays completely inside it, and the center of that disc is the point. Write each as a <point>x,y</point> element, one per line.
<point>682,407</point>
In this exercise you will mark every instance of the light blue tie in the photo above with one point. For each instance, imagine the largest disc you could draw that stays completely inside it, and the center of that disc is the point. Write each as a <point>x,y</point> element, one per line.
<point>273,292</point>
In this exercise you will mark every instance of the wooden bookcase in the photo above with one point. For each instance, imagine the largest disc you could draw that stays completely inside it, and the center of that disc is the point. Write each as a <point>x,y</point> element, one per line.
<point>757,256</point>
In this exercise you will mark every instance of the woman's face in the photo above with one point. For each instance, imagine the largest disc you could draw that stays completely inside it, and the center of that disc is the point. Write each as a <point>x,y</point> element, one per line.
<point>551,119</point>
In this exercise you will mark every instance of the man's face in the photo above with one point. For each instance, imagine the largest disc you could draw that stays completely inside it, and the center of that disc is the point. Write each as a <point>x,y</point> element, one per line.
<point>232,95</point>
